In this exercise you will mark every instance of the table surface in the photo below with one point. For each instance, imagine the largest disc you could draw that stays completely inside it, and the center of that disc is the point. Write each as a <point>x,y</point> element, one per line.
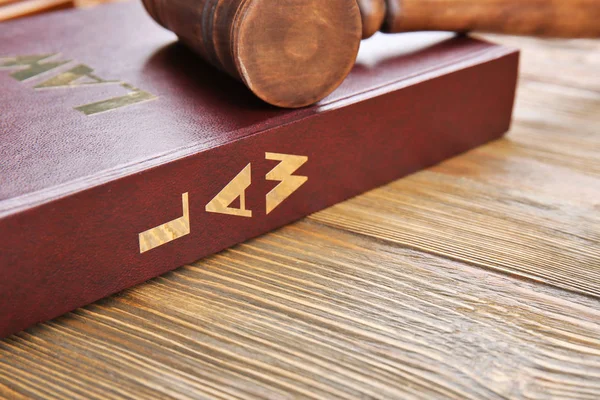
<point>477,278</point>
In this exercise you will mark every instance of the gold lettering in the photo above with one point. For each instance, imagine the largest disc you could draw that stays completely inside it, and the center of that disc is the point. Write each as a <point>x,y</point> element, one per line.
<point>168,232</point>
<point>34,64</point>
<point>234,189</point>
<point>283,173</point>
<point>133,97</point>
<point>71,77</point>
<point>80,75</point>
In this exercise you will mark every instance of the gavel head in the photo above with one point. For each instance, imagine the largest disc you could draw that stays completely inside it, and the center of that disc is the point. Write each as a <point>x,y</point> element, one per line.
<point>290,53</point>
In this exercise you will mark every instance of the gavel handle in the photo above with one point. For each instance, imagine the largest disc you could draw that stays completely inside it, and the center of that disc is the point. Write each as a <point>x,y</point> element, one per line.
<point>552,18</point>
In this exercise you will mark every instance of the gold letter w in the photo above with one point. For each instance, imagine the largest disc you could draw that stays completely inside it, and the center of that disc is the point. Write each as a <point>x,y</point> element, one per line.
<point>283,173</point>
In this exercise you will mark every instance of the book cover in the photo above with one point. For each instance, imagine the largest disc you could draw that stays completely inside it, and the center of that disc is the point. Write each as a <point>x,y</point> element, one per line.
<point>123,155</point>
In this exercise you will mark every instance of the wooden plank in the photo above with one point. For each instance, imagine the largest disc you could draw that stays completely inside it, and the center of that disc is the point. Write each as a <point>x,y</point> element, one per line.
<point>569,63</point>
<point>478,278</point>
<point>311,311</point>
<point>496,208</point>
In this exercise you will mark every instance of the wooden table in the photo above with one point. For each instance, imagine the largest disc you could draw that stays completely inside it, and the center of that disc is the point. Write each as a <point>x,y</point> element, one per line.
<point>478,278</point>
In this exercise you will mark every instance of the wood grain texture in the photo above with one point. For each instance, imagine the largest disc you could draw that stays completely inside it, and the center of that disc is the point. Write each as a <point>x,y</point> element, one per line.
<point>289,53</point>
<point>4,2</point>
<point>372,13</point>
<point>29,7</point>
<point>554,18</point>
<point>478,278</point>
<point>12,9</point>
<point>293,53</point>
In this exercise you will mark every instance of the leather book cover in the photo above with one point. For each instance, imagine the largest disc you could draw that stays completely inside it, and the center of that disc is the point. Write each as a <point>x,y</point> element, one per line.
<point>124,156</point>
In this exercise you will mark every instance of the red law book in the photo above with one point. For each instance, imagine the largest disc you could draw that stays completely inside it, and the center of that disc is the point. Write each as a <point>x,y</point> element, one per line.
<point>124,156</point>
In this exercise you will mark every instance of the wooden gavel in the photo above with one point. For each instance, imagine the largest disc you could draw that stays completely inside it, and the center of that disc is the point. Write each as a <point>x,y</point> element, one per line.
<point>293,53</point>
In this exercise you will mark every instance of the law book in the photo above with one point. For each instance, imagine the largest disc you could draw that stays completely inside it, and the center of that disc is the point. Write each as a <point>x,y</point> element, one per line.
<point>124,156</point>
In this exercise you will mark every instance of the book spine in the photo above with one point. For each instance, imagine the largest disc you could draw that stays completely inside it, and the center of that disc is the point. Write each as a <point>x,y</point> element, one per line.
<point>75,250</point>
